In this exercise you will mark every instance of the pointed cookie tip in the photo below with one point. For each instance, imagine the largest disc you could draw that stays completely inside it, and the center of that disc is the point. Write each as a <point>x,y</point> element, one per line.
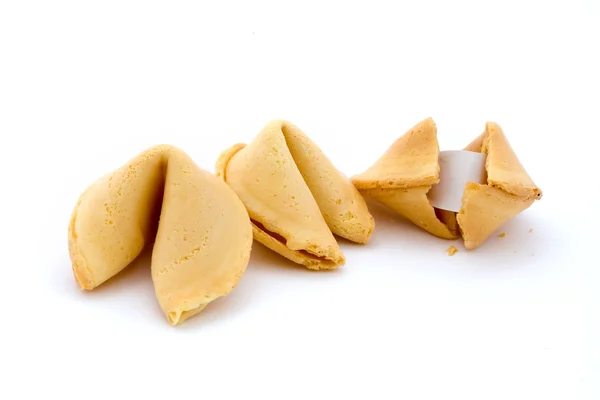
<point>430,122</point>
<point>503,167</point>
<point>411,161</point>
<point>176,317</point>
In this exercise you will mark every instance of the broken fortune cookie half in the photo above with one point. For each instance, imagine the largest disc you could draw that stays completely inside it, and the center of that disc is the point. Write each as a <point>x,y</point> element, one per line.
<point>401,178</point>
<point>295,196</point>
<point>202,242</point>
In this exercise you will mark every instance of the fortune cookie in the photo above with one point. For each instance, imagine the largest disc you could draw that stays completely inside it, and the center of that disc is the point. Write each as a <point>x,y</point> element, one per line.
<point>295,196</point>
<point>200,229</point>
<point>401,178</point>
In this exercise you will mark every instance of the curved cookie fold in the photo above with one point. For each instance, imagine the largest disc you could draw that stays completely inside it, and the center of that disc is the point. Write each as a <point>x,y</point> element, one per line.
<point>200,229</point>
<point>295,196</point>
<point>404,174</point>
<point>509,189</point>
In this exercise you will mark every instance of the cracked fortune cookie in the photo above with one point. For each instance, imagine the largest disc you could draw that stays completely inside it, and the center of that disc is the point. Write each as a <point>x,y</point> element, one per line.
<point>200,229</point>
<point>401,178</point>
<point>295,196</point>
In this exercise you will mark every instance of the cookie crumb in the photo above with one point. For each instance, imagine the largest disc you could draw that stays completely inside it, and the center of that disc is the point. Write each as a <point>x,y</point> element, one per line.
<point>502,235</point>
<point>451,250</point>
<point>530,229</point>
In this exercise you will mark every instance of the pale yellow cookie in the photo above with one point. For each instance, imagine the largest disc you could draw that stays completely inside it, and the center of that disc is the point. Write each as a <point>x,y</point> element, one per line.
<point>402,176</point>
<point>202,243</point>
<point>295,196</point>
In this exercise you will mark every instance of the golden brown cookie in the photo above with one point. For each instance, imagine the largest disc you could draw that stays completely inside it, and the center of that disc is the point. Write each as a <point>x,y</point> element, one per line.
<point>401,178</point>
<point>202,243</point>
<point>295,196</point>
<point>509,190</point>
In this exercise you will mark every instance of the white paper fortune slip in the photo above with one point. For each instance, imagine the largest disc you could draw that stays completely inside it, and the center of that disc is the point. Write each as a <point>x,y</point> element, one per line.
<point>457,167</point>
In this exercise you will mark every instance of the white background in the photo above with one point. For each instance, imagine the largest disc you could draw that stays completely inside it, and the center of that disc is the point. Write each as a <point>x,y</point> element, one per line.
<point>84,86</point>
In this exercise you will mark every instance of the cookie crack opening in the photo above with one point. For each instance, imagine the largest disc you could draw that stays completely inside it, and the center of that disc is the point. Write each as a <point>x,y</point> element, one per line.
<point>283,241</point>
